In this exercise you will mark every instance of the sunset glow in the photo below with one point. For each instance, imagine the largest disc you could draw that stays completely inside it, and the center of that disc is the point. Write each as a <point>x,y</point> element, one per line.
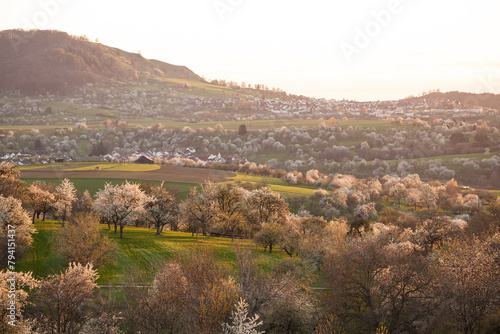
<point>363,50</point>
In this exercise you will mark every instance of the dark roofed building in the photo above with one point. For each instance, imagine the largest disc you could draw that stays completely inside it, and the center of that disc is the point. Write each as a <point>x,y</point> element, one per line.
<point>144,160</point>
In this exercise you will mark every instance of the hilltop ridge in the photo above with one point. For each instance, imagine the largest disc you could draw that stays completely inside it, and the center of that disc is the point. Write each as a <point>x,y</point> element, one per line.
<point>41,61</point>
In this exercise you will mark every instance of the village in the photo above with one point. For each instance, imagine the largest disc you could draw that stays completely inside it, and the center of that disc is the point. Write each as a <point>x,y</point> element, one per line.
<point>148,157</point>
<point>98,104</point>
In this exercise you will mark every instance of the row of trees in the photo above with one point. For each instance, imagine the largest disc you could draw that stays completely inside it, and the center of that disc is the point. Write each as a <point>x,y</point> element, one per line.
<point>211,208</point>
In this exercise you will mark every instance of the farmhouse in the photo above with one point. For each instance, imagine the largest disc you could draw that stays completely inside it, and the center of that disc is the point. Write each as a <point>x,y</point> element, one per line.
<point>144,160</point>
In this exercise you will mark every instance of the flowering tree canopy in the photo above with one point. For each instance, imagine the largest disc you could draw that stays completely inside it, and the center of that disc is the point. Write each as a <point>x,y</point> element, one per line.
<point>120,204</point>
<point>14,221</point>
<point>65,194</point>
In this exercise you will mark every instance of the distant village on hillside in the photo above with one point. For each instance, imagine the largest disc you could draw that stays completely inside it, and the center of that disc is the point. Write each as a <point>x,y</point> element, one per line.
<point>149,157</point>
<point>121,103</point>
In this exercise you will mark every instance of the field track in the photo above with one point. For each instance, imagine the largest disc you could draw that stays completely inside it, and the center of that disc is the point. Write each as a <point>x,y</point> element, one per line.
<point>164,173</point>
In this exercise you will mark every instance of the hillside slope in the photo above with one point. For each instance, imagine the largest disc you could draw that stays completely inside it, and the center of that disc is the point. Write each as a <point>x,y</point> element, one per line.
<point>455,98</point>
<point>40,61</point>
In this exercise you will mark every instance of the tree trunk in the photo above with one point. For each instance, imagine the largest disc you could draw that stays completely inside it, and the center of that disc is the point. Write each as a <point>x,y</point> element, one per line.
<point>34,213</point>
<point>270,248</point>
<point>115,227</point>
<point>121,231</point>
<point>43,217</point>
<point>232,237</point>
<point>158,229</point>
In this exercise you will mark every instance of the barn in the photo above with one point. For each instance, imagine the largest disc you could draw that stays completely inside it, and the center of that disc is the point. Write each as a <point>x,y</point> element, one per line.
<point>144,160</point>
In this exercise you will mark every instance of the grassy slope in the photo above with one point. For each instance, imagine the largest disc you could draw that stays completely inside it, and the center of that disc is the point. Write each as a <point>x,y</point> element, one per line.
<point>140,248</point>
<point>275,184</point>
<point>39,258</point>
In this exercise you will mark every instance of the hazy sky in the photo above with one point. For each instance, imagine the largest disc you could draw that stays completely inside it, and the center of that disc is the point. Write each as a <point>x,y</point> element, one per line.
<point>359,49</point>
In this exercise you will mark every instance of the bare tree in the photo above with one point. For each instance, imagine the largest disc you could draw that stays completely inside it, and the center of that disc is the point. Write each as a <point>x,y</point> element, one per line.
<point>270,235</point>
<point>375,283</point>
<point>84,203</point>
<point>266,206</point>
<point>201,209</point>
<point>163,309</point>
<point>470,280</point>
<point>81,241</point>
<point>431,232</point>
<point>291,237</point>
<point>284,304</point>
<point>192,294</point>
<point>42,199</point>
<point>232,208</point>
<point>61,300</point>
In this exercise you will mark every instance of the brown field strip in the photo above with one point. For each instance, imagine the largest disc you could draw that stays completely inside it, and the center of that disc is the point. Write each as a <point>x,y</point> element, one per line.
<point>165,173</point>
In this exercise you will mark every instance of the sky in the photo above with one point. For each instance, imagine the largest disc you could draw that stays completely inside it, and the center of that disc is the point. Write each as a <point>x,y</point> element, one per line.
<point>360,49</point>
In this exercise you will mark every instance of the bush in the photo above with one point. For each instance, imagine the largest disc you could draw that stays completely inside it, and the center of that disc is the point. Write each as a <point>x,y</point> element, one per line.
<point>80,240</point>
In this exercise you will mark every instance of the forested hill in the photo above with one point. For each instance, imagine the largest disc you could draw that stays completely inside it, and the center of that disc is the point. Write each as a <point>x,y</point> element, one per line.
<point>457,99</point>
<point>40,61</point>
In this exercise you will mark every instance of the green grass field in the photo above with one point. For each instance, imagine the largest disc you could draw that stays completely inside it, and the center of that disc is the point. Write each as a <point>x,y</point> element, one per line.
<point>31,167</point>
<point>180,189</point>
<point>258,179</point>
<point>275,184</point>
<point>140,248</point>
<point>494,192</point>
<point>39,258</point>
<point>292,191</point>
